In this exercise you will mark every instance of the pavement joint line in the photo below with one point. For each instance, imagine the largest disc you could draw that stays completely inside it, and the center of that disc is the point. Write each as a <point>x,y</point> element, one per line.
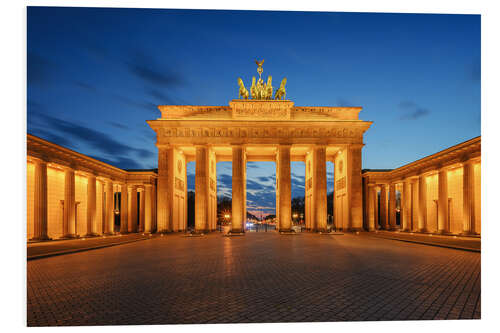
<point>430,244</point>
<point>63,252</point>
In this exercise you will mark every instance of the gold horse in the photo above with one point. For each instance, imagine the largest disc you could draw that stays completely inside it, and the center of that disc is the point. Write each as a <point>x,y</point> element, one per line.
<point>243,91</point>
<point>268,88</point>
<point>281,92</point>
<point>253,89</point>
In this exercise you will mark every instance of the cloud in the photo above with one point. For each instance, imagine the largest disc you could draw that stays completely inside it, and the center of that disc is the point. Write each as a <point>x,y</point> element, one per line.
<point>412,111</point>
<point>143,105</point>
<point>153,74</point>
<point>343,102</point>
<point>63,131</point>
<point>118,125</point>
<point>39,69</point>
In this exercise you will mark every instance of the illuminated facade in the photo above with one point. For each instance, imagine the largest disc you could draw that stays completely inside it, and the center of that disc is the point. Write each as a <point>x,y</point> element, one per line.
<point>72,195</point>
<point>440,193</point>
<point>259,130</point>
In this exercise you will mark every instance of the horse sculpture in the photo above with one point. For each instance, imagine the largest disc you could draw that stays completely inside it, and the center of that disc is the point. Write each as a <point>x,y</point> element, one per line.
<point>269,88</point>
<point>243,91</point>
<point>253,89</point>
<point>281,92</point>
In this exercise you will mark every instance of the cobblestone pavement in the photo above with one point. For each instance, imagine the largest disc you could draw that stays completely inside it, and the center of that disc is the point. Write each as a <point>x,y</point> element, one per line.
<point>40,249</point>
<point>261,277</point>
<point>469,243</point>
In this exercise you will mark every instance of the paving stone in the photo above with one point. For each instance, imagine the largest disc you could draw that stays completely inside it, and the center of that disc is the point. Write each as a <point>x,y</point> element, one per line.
<point>262,277</point>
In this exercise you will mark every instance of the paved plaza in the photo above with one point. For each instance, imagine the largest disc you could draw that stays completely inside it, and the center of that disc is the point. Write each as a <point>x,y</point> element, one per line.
<point>261,277</point>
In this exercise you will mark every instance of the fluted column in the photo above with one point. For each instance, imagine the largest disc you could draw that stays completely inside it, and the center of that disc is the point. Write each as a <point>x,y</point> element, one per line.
<point>383,207</point>
<point>69,228</point>
<point>148,207</point>
<point>40,202</point>
<point>372,194</point>
<point>238,191</point>
<point>319,181</point>
<point>91,206</point>
<point>355,188</point>
<point>110,215</point>
<point>285,188</point>
<point>443,201</point>
<point>392,206</point>
<point>153,213</point>
<point>375,205</point>
<point>164,195</point>
<point>422,204</point>
<point>132,214</point>
<point>124,209</point>
<point>405,213</point>
<point>201,190</point>
<point>142,203</point>
<point>468,198</point>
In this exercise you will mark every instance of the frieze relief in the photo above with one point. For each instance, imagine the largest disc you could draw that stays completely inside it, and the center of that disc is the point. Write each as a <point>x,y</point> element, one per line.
<point>179,184</point>
<point>259,132</point>
<point>340,184</point>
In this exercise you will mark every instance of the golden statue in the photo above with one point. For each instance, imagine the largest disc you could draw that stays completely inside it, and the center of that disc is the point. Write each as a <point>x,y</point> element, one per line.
<point>281,92</point>
<point>260,90</point>
<point>259,67</point>
<point>243,91</point>
<point>268,88</point>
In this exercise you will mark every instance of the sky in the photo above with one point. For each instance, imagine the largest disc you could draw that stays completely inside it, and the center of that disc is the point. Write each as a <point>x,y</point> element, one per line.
<point>95,75</point>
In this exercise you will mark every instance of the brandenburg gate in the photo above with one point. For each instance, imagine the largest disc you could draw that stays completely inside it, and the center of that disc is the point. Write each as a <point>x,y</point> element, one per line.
<point>259,127</point>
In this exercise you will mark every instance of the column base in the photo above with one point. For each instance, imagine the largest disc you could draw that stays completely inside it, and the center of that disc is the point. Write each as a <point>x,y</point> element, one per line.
<point>470,234</point>
<point>423,230</point>
<point>43,238</point>
<point>287,232</point>
<point>109,233</point>
<point>70,236</point>
<point>352,229</point>
<point>445,232</point>
<point>92,234</point>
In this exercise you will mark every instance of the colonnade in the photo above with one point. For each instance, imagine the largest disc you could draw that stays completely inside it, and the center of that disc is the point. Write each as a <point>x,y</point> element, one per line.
<point>100,190</point>
<point>444,200</point>
<point>171,217</point>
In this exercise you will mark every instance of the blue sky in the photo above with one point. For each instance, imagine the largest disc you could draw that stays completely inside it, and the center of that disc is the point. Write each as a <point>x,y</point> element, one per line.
<point>95,75</point>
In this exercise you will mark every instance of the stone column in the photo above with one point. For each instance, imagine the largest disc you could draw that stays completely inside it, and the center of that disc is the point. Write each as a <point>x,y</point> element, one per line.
<point>238,193</point>
<point>285,188</point>
<point>201,190</point>
<point>132,214</point>
<point>372,195</point>
<point>319,181</point>
<point>383,207</point>
<point>164,202</point>
<point>69,228</point>
<point>110,215</point>
<point>153,212</point>
<point>392,206</point>
<point>40,202</point>
<point>141,209</point>
<point>443,201</point>
<point>148,207</point>
<point>405,213</point>
<point>468,198</point>
<point>422,204</point>
<point>375,205</point>
<point>355,188</point>
<point>91,206</point>
<point>124,209</point>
